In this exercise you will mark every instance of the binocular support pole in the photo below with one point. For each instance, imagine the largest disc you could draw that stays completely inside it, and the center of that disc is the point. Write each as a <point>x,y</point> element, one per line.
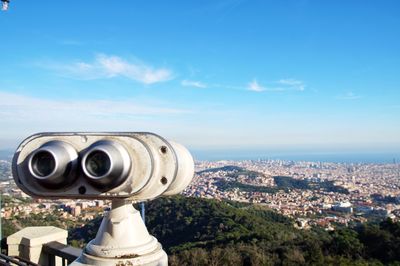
<point>122,239</point>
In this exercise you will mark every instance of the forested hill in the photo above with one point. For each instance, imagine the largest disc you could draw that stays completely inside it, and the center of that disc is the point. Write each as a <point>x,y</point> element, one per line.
<point>284,183</point>
<point>208,232</point>
<point>224,168</point>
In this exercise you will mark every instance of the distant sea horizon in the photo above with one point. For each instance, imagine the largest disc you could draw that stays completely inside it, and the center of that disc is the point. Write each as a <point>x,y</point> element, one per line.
<point>334,157</point>
<point>237,155</point>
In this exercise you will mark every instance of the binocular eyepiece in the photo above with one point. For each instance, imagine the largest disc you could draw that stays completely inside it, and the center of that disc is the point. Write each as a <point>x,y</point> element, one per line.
<point>51,164</point>
<point>106,164</point>
<point>136,166</point>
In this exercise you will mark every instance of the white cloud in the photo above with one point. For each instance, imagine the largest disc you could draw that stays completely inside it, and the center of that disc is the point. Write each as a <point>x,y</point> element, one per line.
<point>192,83</point>
<point>27,110</point>
<point>109,66</point>
<point>21,116</point>
<point>292,84</point>
<point>284,85</point>
<point>349,96</point>
<point>254,86</point>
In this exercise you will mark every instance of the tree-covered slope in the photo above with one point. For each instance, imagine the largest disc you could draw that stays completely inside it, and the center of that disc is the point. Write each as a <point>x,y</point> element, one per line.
<point>181,223</point>
<point>208,232</point>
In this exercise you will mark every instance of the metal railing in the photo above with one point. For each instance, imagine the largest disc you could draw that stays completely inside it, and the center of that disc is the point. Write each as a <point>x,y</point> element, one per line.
<point>53,253</point>
<point>56,249</point>
<point>52,250</point>
<point>7,260</point>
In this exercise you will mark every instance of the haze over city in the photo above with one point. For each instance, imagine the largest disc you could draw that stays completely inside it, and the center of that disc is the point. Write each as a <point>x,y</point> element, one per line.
<point>238,79</point>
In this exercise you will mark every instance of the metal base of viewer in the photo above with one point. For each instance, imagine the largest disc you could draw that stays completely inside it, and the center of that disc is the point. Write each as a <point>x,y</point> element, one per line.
<point>122,239</point>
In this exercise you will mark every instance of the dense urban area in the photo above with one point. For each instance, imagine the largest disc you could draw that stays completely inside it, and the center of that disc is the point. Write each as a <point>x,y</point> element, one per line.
<point>315,193</point>
<point>265,212</point>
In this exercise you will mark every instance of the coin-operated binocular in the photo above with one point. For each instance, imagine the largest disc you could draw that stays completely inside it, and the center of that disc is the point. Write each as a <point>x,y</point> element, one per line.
<point>122,167</point>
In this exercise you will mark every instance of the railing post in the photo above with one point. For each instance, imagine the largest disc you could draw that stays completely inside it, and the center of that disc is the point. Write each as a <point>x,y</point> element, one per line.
<point>63,254</point>
<point>28,243</point>
<point>52,259</point>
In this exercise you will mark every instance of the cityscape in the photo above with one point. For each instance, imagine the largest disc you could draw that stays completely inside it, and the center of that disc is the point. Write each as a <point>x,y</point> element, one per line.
<point>313,193</point>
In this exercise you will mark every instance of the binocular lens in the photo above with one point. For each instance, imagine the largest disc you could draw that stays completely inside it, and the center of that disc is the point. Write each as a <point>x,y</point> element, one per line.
<point>106,164</point>
<point>98,163</point>
<point>43,163</point>
<point>53,164</point>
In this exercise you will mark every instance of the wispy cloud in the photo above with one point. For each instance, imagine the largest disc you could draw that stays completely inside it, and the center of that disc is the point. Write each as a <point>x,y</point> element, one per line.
<point>349,96</point>
<point>22,115</point>
<point>283,85</point>
<point>254,86</point>
<point>293,84</point>
<point>109,66</point>
<point>192,83</point>
<point>14,107</point>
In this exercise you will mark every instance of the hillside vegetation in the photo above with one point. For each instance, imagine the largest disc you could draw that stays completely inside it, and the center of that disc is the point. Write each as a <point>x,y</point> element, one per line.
<point>284,183</point>
<point>208,232</point>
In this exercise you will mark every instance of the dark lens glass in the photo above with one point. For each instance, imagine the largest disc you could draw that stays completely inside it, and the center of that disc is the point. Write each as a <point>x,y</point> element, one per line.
<point>43,163</point>
<point>98,163</point>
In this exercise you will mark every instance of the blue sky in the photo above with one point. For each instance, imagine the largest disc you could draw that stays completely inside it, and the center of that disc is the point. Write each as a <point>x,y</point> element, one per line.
<point>230,75</point>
